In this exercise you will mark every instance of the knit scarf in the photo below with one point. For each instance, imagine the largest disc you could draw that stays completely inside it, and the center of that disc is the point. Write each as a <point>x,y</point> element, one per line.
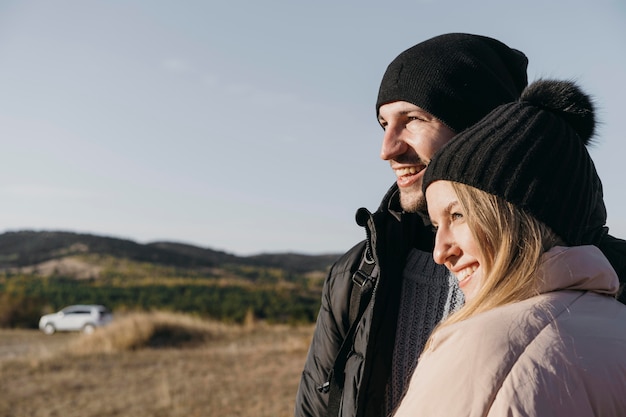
<point>429,294</point>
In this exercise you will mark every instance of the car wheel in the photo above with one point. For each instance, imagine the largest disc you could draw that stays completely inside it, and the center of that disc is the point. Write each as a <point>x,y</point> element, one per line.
<point>89,328</point>
<point>49,329</point>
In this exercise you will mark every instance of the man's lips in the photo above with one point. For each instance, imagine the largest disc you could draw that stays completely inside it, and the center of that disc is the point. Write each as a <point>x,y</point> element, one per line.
<point>408,175</point>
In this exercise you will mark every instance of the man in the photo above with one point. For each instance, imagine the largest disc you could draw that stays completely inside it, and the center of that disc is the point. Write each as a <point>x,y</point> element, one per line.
<point>383,298</point>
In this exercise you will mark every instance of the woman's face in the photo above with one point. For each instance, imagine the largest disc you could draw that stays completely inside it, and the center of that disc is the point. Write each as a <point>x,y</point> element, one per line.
<point>455,245</point>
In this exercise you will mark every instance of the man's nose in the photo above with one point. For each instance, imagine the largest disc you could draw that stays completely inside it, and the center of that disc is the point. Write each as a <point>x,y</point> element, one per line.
<point>393,144</point>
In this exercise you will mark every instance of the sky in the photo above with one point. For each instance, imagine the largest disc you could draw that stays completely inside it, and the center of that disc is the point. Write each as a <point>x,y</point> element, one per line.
<point>249,126</point>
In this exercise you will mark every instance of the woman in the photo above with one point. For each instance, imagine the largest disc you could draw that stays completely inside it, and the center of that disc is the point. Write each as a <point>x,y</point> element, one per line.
<point>513,200</point>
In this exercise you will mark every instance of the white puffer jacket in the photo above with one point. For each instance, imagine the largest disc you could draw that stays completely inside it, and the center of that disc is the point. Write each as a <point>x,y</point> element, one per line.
<point>559,354</point>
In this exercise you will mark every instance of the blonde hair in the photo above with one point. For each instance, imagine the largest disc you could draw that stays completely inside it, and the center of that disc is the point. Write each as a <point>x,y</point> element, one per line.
<point>511,243</point>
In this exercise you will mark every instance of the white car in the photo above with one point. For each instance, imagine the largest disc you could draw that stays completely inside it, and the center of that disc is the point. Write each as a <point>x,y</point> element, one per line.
<point>83,318</point>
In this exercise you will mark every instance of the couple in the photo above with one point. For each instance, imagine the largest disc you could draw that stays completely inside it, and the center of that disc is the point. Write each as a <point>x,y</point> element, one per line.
<point>519,217</point>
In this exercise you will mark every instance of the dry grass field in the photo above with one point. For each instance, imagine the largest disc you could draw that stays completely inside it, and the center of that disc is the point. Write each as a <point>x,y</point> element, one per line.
<point>154,364</point>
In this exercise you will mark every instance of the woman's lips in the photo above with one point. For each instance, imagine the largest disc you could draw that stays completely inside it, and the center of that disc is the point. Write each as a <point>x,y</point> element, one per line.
<point>464,275</point>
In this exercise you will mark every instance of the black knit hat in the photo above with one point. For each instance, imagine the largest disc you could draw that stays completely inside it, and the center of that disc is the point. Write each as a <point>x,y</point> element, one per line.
<point>456,77</point>
<point>533,154</point>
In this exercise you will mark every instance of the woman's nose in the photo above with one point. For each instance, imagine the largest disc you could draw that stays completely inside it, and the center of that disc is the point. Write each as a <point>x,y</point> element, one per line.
<point>445,247</point>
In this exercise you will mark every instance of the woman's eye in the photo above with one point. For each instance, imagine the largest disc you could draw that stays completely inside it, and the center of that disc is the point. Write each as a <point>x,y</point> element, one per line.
<point>456,216</point>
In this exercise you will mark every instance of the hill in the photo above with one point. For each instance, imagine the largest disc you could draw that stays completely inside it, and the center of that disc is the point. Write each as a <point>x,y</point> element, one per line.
<point>28,248</point>
<point>43,271</point>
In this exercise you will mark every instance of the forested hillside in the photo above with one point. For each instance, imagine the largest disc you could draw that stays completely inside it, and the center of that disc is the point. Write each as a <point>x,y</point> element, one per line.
<point>42,271</point>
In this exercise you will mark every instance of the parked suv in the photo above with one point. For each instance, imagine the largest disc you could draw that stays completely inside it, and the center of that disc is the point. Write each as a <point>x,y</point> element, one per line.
<point>84,318</point>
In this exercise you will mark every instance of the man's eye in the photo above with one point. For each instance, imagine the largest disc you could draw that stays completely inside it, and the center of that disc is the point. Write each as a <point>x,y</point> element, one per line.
<point>416,117</point>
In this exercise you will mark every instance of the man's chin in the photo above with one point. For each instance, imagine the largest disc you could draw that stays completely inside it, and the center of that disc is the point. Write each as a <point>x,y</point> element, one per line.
<point>412,201</point>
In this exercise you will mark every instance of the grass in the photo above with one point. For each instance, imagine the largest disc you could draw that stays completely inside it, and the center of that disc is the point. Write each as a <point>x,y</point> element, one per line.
<point>153,364</point>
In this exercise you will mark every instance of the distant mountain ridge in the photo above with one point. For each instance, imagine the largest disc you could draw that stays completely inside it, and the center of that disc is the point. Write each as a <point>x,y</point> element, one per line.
<point>27,247</point>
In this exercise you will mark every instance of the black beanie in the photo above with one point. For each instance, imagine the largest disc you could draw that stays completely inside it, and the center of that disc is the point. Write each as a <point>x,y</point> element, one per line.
<point>456,77</point>
<point>533,154</point>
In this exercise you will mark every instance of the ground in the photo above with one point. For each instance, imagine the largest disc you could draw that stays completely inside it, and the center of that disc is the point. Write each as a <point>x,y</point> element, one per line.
<point>248,373</point>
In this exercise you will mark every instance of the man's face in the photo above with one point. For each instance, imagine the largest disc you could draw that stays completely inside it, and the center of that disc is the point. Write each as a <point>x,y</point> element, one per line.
<point>412,136</point>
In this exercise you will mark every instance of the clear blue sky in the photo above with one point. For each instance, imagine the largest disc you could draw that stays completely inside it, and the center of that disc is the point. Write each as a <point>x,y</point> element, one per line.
<point>249,126</point>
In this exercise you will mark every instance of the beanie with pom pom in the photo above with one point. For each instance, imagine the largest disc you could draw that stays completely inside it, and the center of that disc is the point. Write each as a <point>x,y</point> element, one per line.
<point>532,153</point>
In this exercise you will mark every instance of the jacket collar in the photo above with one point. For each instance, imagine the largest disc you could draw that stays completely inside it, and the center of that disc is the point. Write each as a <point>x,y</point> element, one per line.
<point>391,202</point>
<point>577,268</point>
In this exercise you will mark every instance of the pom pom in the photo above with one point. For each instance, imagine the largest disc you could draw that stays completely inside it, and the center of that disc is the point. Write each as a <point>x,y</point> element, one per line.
<point>568,101</point>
